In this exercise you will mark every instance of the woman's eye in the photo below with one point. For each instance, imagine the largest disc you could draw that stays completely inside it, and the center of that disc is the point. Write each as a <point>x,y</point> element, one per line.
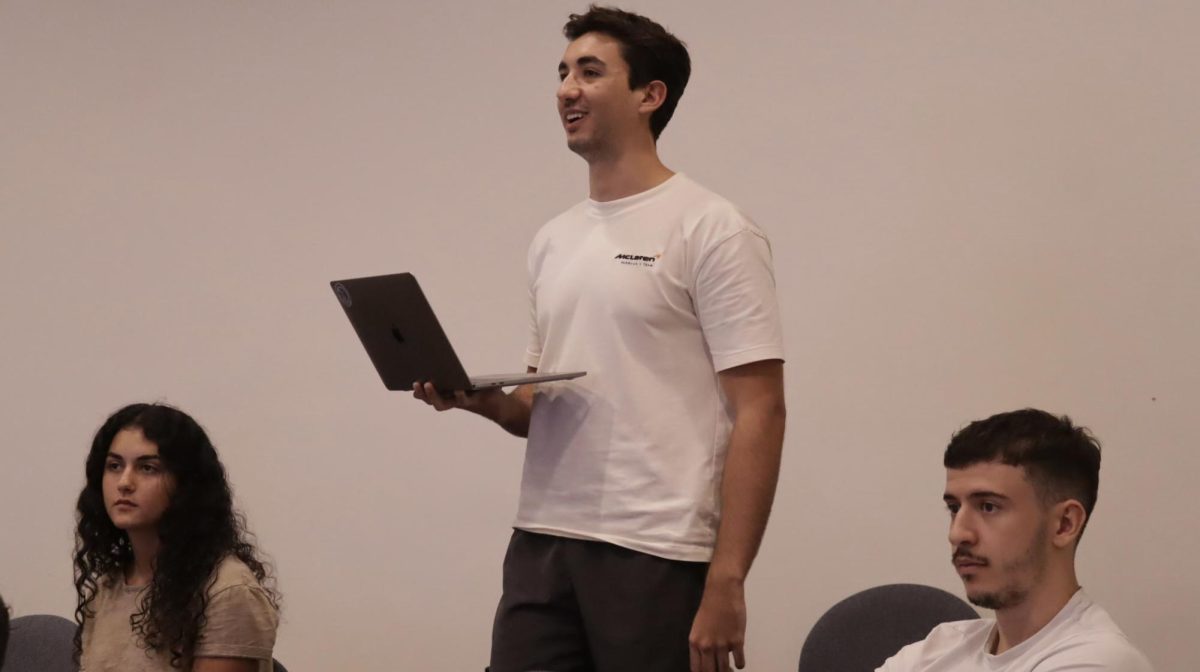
<point>149,469</point>
<point>113,466</point>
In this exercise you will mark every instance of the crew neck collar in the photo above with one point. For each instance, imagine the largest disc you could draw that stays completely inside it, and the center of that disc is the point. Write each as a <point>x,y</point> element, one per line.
<point>1078,601</point>
<point>618,206</point>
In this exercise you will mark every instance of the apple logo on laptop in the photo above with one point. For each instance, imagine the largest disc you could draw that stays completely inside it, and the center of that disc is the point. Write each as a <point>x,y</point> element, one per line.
<point>343,294</point>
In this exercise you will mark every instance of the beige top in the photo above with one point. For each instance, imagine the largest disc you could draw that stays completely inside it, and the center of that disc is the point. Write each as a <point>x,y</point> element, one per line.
<point>241,624</point>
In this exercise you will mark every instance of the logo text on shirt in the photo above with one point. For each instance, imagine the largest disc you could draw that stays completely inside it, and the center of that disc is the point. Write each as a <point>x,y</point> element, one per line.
<point>637,259</point>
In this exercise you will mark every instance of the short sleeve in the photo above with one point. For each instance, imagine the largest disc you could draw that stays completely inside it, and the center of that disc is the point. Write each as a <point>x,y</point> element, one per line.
<point>241,623</point>
<point>902,661</point>
<point>734,295</point>
<point>533,349</point>
<point>1100,654</point>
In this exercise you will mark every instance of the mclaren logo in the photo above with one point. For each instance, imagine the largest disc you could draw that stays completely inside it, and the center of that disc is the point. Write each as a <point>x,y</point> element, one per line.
<point>637,259</point>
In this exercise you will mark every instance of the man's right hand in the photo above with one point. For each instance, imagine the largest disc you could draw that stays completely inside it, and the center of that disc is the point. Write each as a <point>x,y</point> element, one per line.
<point>477,402</point>
<point>510,411</point>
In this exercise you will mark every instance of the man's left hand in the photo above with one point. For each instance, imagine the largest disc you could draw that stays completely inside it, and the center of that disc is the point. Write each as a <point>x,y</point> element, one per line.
<point>719,628</point>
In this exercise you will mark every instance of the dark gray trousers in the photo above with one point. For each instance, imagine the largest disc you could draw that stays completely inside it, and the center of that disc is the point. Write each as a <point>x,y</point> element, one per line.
<point>588,606</point>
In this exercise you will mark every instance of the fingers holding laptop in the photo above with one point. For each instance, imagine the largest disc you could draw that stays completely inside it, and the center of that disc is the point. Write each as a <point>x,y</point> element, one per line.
<point>427,393</point>
<point>510,411</point>
<point>473,401</point>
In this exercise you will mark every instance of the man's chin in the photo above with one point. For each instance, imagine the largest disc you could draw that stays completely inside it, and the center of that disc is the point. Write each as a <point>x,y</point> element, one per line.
<point>1004,599</point>
<point>581,145</point>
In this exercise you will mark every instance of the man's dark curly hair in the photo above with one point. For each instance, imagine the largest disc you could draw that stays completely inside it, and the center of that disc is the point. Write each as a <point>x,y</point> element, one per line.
<point>198,529</point>
<point>651,52</point>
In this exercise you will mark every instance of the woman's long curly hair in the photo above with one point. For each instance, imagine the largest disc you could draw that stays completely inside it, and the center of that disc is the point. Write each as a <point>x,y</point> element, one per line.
<point>198,529</point>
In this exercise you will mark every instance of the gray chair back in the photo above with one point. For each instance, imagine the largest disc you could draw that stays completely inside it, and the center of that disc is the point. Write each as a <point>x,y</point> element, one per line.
<point>40,643</point>
<point>3,630</point>
<point>865,629</point>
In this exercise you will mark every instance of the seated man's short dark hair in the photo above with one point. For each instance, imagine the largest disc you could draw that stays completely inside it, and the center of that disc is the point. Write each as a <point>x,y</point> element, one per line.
<point>1061,459</point>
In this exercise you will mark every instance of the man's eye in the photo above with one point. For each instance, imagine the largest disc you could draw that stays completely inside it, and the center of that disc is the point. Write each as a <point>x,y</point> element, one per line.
<point>952,509</point>
<point>989,507</point>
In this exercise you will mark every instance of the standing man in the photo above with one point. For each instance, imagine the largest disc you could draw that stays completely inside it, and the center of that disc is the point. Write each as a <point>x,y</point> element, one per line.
<point>647,483</point>
<point>1020,488</point>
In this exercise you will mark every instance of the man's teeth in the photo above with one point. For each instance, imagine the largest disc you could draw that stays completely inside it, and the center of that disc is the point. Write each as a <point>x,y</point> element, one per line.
<point>574,116</point>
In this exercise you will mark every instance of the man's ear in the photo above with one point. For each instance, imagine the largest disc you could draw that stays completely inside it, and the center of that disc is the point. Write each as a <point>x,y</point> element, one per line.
<point>1069,519</point>
<point>654,95</point>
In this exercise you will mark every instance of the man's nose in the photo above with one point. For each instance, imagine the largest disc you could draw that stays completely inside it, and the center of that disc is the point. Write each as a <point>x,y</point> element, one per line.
<point>961,531</point>
<point>568,89</point>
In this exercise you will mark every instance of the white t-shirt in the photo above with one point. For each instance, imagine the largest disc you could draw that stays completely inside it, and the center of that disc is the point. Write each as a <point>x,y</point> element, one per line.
<point>1081,638</point>
<point>652,295</point>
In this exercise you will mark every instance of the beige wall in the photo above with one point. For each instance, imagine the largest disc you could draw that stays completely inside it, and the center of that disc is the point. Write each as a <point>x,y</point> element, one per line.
<point>974,207</point>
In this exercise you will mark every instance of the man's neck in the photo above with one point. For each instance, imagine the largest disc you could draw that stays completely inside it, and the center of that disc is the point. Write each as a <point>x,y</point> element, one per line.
<point>625,173</point>
<point>1016,624</point>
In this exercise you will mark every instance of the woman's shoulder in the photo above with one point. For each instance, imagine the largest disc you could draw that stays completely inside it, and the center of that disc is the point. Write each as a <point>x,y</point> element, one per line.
<point>241,617</point>
<point>236,590</point>
<point>231,571</point>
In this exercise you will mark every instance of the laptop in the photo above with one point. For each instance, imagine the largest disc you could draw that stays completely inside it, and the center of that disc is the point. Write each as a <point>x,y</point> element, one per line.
<point>406,343</point>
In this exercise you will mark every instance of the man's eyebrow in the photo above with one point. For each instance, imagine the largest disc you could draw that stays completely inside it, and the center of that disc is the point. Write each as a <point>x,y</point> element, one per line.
<point>581,61</point>
<point>978,494</point>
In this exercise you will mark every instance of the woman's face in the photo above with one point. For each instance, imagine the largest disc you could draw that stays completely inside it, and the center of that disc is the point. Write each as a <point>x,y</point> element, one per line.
<point>137,487</point>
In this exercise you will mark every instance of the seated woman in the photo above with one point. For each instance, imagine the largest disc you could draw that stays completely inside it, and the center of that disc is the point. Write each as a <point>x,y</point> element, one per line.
<point>165,574</point>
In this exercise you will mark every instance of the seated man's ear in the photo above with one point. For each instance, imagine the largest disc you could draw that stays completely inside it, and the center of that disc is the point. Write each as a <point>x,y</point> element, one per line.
<point>1069,519</point>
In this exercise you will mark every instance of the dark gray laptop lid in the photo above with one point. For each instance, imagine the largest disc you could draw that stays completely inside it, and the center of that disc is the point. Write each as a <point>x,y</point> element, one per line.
<point>405,341</point>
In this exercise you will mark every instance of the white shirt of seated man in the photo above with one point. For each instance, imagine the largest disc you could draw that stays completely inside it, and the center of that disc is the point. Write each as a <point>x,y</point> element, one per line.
<point>1015,553</point>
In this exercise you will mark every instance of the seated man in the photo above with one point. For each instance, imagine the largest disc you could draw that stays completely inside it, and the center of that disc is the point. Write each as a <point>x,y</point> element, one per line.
<point>1020,488</point>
